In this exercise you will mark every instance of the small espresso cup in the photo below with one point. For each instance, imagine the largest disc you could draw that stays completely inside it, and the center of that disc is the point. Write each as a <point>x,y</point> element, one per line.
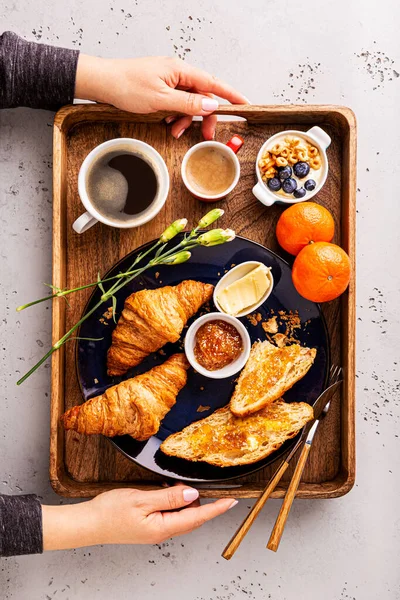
<point>129,146</point>
<point>229,149</point>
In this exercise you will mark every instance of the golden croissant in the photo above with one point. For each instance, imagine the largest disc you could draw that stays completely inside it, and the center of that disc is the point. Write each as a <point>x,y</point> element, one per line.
<point>135,407</point>
<point>150,319</point>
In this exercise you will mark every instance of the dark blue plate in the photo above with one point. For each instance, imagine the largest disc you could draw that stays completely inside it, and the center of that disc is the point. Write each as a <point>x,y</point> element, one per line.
<point>207,265</point>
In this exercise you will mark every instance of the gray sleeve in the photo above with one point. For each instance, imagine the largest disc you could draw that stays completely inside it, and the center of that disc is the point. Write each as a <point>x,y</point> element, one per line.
<point>35,75</point>
<point>20,525</point>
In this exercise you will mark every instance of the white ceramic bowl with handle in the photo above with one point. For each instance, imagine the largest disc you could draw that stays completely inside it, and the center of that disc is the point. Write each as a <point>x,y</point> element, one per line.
<point>237,273</point>
<point>235,366</point>
<point>315,136</point>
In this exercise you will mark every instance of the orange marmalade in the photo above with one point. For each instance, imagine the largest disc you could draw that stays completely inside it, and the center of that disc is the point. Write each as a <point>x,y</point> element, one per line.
<point>218,344</point>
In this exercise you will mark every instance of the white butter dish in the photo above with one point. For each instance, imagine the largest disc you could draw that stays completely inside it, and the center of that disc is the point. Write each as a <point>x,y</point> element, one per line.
<point>236,273</point>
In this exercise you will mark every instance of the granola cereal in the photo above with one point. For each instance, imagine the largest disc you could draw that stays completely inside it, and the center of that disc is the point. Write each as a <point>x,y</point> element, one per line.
<point>288,164</point>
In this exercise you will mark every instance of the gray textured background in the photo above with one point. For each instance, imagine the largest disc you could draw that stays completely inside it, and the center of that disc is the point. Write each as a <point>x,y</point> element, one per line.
<point>336,52</point>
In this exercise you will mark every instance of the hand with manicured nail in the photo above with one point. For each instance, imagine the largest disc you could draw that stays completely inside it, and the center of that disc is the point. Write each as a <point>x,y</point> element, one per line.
<point>128,516</point>
<point>146,85</point>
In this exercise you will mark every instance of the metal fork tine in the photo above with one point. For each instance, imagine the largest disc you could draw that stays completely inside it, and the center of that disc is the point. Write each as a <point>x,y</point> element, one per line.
<point>334,374</point>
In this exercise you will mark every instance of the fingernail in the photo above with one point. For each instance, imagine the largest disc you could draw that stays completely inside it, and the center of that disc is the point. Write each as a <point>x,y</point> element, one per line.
<point>169,120</point>
<point>247,100</point>
<point>209,104</point>
<point>190,494</point>
<point>210,137</point>
<point>233,504</point>
<point>182,131</point>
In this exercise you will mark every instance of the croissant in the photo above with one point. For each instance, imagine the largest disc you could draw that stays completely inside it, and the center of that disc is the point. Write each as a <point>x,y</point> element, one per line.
<point>135,406</point>
<point>150,319</point>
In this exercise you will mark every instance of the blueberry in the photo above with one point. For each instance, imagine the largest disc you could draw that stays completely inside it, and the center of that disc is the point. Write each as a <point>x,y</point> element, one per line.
<point>299,193</point>
<point>274,184</point>
<point>289,185</point>
<point>284,172</point>
<point>310,185</point>
<point>301,169</point>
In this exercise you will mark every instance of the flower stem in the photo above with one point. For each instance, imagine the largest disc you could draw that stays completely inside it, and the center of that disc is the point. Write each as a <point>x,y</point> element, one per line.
<point>23,306</point>
<point>64,293</point>
<point>41,361</point>
<point>104,298</point>
<point>190,240</point>
<point>58,344</point>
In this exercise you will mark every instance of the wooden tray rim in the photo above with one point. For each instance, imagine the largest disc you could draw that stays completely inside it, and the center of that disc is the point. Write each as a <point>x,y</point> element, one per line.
<point>68,116</point>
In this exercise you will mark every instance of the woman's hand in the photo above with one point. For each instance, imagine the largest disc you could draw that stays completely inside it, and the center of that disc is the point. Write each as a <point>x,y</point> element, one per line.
<point>146,85</point>
<point>127,516</point>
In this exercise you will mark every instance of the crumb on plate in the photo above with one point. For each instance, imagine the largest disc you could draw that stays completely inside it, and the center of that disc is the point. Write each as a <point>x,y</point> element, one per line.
<point>203,408</point>
<point>253,319</point>
<point>280,339</point>
<point>270,326</point>
<point>108,313</point>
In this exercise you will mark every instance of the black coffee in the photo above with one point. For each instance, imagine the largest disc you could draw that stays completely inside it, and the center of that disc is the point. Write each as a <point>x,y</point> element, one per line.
<point>121,185</point>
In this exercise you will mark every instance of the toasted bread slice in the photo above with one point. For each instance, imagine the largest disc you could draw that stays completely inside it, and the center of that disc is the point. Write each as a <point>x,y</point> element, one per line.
<point>268,374</point>
<point>226,441</point>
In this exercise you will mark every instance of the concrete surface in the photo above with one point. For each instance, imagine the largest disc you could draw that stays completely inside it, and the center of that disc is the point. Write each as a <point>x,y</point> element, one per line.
<point>336,52</point>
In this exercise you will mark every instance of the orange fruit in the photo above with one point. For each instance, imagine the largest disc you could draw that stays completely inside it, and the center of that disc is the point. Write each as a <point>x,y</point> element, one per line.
<point>321,272</point>
<point>302,224</point>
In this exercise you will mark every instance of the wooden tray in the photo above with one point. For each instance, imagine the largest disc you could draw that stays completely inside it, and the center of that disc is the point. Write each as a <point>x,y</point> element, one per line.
<point>85,466</point>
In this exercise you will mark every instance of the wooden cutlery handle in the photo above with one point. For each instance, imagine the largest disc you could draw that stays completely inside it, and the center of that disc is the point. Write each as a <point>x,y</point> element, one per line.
<point>238,536</point>
<point>280,522</point>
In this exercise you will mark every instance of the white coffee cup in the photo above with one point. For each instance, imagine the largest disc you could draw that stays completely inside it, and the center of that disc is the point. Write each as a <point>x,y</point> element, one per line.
<point>229,149</point>
<point>146,153</point>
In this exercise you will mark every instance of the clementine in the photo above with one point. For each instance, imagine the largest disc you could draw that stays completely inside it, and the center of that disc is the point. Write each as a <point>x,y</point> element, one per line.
<point>302,224</point>
<point>321,271</point>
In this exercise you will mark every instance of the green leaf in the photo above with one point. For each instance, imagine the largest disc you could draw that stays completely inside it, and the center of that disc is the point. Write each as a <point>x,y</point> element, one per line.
<point>87,339</point>
<point>99,283</point>
<point>159,251</point>
<point>114,308</point>
<point>53,287</point>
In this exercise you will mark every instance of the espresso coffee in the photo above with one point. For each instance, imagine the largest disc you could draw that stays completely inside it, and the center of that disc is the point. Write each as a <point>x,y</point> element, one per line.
<point>210,171</point>
<point>121,185</point>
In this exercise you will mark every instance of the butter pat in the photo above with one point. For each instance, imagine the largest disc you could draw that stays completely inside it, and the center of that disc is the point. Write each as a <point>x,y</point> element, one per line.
<point>245,292</point>
<point>252,442</point>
